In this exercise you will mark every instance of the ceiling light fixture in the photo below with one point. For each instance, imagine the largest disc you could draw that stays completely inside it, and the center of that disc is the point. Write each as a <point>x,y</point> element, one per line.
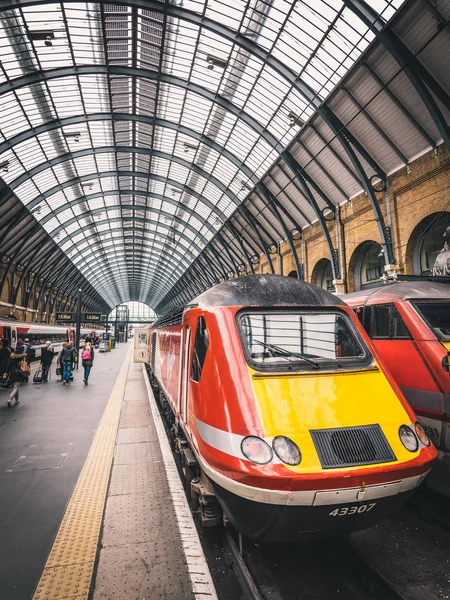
<point>42,35</point>
<point>188,147</point>
<point>295,120</point>
<point>214,61</point>
<point>72,135</point>
<point>245,185</point>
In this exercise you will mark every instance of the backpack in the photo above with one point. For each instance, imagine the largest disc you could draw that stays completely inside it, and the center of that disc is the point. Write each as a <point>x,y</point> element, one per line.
<point>86,354</point>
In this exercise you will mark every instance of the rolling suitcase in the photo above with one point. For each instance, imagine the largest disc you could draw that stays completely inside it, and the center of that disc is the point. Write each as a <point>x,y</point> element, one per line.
<point>38,376</point>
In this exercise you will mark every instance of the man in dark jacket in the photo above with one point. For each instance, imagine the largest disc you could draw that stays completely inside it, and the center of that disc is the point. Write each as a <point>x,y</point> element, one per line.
<point>47,354</point>
<point>68,354</point>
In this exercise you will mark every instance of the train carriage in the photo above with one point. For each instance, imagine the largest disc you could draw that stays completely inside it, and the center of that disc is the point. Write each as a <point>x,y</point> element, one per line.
<point>294,424</point>
<point>39,333</point>
<point>409,324</point>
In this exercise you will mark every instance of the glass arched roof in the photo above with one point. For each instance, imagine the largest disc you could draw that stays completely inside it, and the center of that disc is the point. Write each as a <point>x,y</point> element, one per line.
<point>133,131</point>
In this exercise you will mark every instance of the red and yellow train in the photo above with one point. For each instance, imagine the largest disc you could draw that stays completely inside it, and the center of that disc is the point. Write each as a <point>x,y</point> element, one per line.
<point>296,426</point>
<point>409,324</point>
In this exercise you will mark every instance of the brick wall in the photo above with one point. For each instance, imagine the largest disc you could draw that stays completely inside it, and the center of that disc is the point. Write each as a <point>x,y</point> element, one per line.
<point>416,192</point>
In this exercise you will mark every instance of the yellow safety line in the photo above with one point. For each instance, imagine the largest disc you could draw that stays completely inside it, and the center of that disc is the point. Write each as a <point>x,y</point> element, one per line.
<point>68,572</point>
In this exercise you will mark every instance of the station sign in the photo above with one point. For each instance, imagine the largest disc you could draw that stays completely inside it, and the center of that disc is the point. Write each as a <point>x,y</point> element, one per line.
<point>66,317</point>
<point>91,318</point>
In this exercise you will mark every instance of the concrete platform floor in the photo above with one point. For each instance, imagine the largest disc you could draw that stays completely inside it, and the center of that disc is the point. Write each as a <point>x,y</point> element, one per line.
<point>44,442</point>
<point>141,552</point>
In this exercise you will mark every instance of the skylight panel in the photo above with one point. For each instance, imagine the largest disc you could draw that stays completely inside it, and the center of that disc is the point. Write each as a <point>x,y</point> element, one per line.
<point>12,118</point>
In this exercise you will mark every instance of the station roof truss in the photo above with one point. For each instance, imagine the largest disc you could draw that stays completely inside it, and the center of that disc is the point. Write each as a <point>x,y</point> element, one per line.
<point>42,269</point>
<point>166,146</point>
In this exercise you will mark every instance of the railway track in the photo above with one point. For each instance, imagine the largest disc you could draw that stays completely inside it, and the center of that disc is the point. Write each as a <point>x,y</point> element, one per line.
<point>432,507</point>
<point>334,570</point>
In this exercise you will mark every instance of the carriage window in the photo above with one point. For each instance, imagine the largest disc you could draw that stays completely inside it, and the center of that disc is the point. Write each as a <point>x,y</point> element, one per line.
<point>300,341</point>
<point>142,339</point>
<point>379,328</point>
<point>200,348</point>
<point>399,329</point>
<point>437,315</point>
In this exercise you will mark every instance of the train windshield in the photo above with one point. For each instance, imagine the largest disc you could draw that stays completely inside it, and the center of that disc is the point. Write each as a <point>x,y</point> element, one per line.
<point>437,315</point>
<point>298,341</point>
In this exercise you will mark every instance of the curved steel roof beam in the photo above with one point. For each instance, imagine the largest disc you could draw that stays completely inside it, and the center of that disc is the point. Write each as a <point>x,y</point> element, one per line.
<point>125,219</point>
<point>132,150</point>
<point>140,256</point>
<point>420,77</point>
<point>94,236</point>
<point>36,77</point>
<point>67,184</point>
<point>246,43</point>
<point>120,117</point>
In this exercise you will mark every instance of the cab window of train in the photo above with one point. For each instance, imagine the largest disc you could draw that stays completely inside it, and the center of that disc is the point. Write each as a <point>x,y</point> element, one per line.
<point>200,349</point>
<point>300,341</point>
<point>437,315</point>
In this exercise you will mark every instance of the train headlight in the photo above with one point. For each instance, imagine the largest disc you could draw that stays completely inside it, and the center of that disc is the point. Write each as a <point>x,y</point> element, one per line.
<point>408,438</point>
<point>256,450</point>
<point>286,450</point>
<point>421,434</point>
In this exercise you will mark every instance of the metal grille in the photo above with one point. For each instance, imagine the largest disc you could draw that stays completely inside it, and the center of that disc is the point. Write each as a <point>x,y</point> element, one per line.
<point>352,446</point>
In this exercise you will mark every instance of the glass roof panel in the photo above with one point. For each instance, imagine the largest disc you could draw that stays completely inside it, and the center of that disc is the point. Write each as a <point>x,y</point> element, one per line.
<point>217,104</point>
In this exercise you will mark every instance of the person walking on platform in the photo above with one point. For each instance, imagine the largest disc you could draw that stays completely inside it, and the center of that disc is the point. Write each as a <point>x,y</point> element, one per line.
<point>17,375</point>
<point>59,359</point>
<point>68,358</point>
<point>87,358</point>
<point>5,362</point>
<point>30,354</point>
<point>47,354</point>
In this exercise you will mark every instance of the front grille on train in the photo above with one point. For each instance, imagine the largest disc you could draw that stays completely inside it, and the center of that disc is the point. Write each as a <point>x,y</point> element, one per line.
<point>352,446</point>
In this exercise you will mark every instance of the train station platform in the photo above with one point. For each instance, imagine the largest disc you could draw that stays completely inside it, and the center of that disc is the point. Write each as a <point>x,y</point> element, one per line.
<point>92,505</point>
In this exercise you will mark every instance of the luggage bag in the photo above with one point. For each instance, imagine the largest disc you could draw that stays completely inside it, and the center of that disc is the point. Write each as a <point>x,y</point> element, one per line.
<point>38,376</point>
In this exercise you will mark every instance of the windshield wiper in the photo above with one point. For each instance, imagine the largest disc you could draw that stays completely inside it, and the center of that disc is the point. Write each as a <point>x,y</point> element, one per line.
<point>287,353</point>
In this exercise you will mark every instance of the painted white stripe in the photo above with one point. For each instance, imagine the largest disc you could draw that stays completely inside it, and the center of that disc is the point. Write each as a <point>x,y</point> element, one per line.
<point>200,576</point>
<point>228,442</point>
<point>225,441</point>
<point>298,497</point>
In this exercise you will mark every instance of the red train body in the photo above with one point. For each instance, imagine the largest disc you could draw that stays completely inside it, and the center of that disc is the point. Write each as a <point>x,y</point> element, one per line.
<point>409,324</point>
<point>231,396</point>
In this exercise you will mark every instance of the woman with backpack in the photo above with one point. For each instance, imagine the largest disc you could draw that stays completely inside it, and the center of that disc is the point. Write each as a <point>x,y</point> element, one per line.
<point>87,359</point>
<point>19,371</point>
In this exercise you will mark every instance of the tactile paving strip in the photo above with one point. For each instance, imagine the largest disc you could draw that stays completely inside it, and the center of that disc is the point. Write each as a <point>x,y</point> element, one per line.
<point>68,572</point>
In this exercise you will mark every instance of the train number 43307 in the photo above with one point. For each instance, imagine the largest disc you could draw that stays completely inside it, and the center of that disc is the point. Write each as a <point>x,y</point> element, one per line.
<point>352,510</point>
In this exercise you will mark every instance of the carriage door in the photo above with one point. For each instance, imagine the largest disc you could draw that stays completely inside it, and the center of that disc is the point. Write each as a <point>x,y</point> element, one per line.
<point>184,388</point>
<point>10,334</point>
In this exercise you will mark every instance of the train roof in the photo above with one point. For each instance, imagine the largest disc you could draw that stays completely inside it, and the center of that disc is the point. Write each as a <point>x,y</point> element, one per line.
<point>396,292</point>
<point>14,323</point>
<point>265,290</point>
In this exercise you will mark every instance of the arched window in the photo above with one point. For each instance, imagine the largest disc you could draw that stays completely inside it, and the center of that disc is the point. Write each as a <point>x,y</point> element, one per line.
<point>322,275</point>
<point>426,242</point>
<point>292,274</point>
<point>367,265</point>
